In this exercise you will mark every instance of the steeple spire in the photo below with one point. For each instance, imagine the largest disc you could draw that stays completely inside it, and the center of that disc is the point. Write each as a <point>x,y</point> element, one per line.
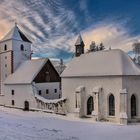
<point>79,46</point>
<point>16,34</point>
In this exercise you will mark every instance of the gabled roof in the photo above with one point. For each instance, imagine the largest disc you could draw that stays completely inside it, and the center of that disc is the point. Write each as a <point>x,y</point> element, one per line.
<point>26,73</point>
<point>16,34</point>
<point>79,41</point>
<point>101,63</point>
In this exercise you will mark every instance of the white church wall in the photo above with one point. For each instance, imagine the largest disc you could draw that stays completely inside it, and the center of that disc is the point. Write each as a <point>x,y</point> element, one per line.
<point>51,87</point>
<point>1,99</point>
<point>19,55</point>
<point>22,93</point>
<point>5,61</point>
<point>8,43</point>
<point>132,84</point>
<point>5,70</point>
<point>109,85</point>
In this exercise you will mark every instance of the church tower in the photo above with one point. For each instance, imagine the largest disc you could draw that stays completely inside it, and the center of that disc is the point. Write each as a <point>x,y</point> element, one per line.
<point>15,48</point>
<point>79,46</point>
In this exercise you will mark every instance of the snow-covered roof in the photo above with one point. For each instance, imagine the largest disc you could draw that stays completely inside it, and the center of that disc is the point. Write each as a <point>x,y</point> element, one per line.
<point>16,34</point>
<point>79,41</point>
<point>26,72</point>
<point>58,66</point>
<point>102,63</point>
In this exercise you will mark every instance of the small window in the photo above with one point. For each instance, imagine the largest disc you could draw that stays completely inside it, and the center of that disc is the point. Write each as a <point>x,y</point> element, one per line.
<point>13,102</point>
<point>5,75</point>
<point>133,106</point>
<point>5,57</point>
<point>5,65</point>
<point>59,95</point>
<point>12,92</point>
<point>47,91</point>
<point>55,90</point>
<point>111,105</point>
<point>5,47</point>
<point>22,47</point>
<point>39,92</point>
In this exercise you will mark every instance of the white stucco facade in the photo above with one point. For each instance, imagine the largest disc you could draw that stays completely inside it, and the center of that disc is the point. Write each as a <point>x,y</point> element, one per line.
<point>49,90</point>
<point>108,86</point>
<point>115,97</point>
<point>21,94</point>
<point>17,73</point>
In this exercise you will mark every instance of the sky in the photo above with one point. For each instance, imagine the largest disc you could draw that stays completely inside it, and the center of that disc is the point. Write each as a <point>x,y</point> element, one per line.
<point>53,25</point>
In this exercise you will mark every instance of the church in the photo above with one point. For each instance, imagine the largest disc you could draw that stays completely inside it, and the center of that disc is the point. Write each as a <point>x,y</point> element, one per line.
<point>102,85</point>
<point>26,83</point>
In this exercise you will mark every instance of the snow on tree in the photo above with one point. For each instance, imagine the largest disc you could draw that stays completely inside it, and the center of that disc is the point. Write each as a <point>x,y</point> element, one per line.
<point>93,47</point>
<point>136,50</point>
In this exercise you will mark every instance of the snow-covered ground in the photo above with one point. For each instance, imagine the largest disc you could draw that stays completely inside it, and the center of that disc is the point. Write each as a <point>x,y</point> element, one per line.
<point>20,125</point>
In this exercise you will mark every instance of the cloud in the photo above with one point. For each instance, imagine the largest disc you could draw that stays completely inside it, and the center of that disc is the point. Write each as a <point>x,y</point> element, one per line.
<point>47,23</point>
<point>112,35</point>
<point>53,27</point>
<point>83,6</point>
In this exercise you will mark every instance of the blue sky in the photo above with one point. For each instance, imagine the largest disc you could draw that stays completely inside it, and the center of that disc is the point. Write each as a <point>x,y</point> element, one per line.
<point>53,25</point>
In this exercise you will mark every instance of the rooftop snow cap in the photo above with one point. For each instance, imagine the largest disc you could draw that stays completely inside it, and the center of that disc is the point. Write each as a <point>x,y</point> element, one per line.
<point>16,34</point>
<point>79,41</point>
<point>26,73</point>
<point>102,63</point>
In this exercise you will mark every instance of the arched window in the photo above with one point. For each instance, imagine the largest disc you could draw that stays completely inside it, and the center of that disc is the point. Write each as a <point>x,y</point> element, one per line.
<point>26,105</point>
<point>22,47</point>
<point>5,47</point>
<point>133,106</point>
<point>90,105</point>
<point>111,105</point>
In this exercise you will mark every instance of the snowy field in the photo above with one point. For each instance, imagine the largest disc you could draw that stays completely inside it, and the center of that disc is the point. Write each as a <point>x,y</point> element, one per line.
<point>20,125</point>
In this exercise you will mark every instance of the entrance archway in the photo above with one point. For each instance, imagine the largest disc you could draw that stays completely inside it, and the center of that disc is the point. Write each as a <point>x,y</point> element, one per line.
<point>90,105</point>
<point>26,106</point>
<point>133,106</point>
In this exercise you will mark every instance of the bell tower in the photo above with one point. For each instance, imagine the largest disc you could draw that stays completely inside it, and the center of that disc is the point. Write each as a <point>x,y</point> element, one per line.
<point>79,46</point>
<point>15,48</point>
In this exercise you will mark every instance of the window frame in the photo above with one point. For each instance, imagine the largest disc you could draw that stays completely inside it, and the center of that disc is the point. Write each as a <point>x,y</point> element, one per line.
<point>111,105</point>
<point>5,47</point>
<point>13,92</point>
<point>13,102</point>
<point>47,91</point>
<point>55,90</point>
<point>22,47</point>
<point>40,92</point>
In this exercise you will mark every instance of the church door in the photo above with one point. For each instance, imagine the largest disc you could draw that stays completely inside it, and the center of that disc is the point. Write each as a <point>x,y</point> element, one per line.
<point>133,106</point>
<point>26,105</point>
<point>90,105</point>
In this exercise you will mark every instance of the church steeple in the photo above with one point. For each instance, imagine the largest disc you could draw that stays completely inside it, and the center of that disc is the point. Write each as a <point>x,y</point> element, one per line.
<point>16,34</point>
<point>16,47</point>
<point>79,46</point>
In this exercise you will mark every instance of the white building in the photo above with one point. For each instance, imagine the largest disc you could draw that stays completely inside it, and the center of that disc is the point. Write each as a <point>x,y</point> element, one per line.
<point>104,85</point>
<point>26,83</point>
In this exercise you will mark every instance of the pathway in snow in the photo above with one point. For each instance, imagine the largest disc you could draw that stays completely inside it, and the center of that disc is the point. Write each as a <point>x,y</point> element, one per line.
<point>20,125</point>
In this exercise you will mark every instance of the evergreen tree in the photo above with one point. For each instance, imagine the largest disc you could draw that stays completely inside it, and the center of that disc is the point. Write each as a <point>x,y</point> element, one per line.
<point>101,46</point>
<point>92,46</point>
